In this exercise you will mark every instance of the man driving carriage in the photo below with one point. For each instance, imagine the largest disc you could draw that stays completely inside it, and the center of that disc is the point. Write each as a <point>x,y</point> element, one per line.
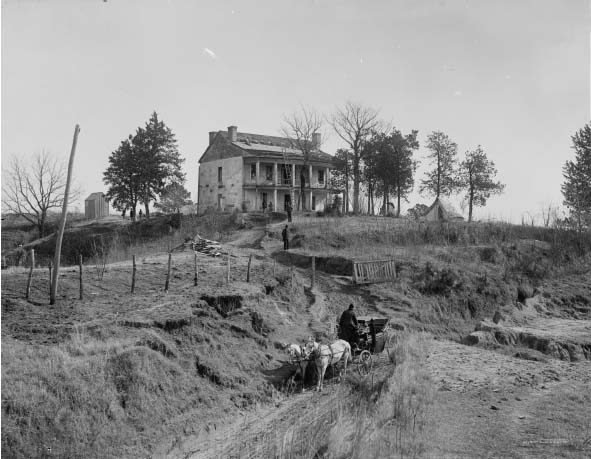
<point>349,327</point>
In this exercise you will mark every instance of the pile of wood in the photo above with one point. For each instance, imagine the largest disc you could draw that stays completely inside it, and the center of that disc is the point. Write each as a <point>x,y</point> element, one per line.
<point>211,248</point>
<point>199,244</point>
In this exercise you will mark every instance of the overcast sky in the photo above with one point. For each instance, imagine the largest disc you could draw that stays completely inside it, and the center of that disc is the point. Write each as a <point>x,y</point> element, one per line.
<point>512,76</point>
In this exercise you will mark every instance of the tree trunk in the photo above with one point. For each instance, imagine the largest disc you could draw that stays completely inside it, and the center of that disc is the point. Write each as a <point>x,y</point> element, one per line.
<point>147,207</point>
<point>470,206</point>
<point>356,183</point>
<point>346,200</point>
<point>398,208</point>
<point>41,224</point>
<point>438,174</point>
<point>302,188</point>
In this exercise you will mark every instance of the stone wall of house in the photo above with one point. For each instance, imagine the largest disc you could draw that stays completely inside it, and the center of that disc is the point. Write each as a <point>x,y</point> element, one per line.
<point>226,194</point>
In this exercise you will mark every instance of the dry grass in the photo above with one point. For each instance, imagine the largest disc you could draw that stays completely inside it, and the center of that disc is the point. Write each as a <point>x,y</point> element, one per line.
<point>115,395</point>
<point>374,237</point>
<point>372,417</point>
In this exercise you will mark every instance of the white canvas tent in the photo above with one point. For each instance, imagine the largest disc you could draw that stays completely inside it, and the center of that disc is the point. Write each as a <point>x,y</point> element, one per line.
<point>441,211</point>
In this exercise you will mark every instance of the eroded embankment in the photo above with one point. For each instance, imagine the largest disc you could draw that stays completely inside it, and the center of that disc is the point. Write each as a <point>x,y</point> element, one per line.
<point>563,333</point>
<point>339,266</point>
<point>174,366</point>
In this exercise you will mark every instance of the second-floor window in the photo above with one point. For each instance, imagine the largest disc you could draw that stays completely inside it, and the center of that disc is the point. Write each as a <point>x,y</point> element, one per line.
<point>219,175</point>
<point>253,171</point>
<point>269,173</point>
<point>321,177</point>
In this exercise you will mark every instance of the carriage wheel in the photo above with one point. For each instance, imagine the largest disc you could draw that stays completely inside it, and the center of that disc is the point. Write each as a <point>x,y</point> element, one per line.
<point>365,363</point>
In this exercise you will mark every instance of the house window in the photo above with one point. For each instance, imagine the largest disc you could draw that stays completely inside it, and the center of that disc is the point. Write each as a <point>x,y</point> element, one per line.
<point>320,177</point>
<point>253,171</point>
<point>219,175</point>
<point>269,173</point>
<point>313,202</point>
<point>285,174</point>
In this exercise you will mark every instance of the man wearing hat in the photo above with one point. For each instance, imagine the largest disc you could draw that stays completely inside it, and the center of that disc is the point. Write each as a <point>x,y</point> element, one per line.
<point>348,326</point>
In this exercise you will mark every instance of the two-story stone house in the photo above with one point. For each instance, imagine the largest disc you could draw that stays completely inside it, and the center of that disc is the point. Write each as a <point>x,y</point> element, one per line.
<point>255,172</point>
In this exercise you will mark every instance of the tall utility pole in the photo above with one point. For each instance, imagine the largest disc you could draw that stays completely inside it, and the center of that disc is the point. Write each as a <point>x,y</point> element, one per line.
<point>60,233</point>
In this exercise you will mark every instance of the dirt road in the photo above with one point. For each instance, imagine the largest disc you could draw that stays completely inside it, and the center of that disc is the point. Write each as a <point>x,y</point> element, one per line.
<point>487,405</point>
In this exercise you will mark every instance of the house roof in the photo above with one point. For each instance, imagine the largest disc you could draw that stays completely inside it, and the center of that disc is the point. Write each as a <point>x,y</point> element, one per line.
<point>256,145</point>
<point>97,195</point>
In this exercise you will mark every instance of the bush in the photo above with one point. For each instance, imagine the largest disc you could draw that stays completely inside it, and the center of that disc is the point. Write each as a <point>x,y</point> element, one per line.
<point>437,282</point>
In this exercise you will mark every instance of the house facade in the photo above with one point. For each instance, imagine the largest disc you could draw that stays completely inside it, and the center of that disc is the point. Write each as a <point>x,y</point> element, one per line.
<point>252,172</point>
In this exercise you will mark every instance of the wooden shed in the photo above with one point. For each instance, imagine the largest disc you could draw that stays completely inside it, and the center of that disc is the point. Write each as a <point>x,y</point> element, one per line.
<point>96,206</point>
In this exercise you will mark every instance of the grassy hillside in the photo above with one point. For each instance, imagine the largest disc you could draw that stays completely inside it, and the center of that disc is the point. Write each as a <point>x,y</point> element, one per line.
<point>120,375</point>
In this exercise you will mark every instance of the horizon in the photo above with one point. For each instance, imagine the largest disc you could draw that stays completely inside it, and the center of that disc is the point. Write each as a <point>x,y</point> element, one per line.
<point>520,90</point>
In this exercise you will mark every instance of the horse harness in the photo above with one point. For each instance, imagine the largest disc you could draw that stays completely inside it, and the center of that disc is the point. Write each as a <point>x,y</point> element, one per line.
<point>317,353</point>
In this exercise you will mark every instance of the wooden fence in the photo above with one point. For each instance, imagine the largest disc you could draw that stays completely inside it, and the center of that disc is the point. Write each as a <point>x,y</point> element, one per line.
<point>368,272</point>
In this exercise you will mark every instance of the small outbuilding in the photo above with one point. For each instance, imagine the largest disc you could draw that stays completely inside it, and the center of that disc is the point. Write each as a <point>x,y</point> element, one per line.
<point>442,211</point>
<point>96,206</point>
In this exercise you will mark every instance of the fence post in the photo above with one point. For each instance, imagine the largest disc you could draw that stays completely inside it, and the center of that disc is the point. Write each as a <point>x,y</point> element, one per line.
<point>168,273</point>
<point>313,271</point>
<point>248,269</point>
<point>354,274</point>
<point>81,284</point>
<point>195,279</point>
<point>228,277</point>
<point>133,271</point>
<point>50,269</point>
<point>30,279</point>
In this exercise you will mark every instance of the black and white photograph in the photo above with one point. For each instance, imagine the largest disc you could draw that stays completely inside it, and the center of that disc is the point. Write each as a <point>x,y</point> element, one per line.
<point>295,229</point>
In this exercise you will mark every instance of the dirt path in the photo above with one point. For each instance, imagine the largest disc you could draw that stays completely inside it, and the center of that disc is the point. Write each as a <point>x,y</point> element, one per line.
<point>487,405</point>
<point>494,405</point>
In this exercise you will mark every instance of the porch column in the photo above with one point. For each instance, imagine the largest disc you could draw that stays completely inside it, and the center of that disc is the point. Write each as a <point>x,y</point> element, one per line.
<point>310,180</point>
<point>275,200</point>
<point>258,172</point>
<point>275,176</point>
<point>293,172</point>
<point>326,177</point>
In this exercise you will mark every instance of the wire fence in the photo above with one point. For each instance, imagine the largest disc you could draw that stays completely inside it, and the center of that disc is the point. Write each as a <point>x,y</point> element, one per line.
<point>150,268</point>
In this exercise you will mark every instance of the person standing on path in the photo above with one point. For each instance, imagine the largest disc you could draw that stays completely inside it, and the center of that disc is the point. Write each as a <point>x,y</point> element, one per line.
<point>285,235</point>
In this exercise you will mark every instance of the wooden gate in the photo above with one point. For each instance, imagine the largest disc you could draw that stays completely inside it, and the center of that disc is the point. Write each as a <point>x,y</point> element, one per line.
<point>367,272</point>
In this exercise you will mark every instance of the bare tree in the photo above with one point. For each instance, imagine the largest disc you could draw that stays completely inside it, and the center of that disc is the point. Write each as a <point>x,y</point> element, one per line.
<point>525,216</point>
<point>303,129</point>
<point>32,188</point>
<point>549,214</point>
<point>354,124</point>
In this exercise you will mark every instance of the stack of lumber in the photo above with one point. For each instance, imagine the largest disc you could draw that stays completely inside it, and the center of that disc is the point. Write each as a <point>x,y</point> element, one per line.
<point>211,248</point>
<point>199,244</point>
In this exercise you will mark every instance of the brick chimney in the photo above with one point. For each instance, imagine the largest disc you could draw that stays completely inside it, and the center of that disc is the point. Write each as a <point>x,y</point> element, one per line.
<point>212,136</point>
<point>316,139</point>
<point>232,133</point>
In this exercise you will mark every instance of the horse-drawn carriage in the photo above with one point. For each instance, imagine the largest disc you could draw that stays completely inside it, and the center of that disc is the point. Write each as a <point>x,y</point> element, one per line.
<point>374,335</point>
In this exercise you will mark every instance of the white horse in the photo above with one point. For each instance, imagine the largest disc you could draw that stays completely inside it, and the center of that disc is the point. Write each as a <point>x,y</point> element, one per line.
<point>328,354</point>
<point>297,354</point>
